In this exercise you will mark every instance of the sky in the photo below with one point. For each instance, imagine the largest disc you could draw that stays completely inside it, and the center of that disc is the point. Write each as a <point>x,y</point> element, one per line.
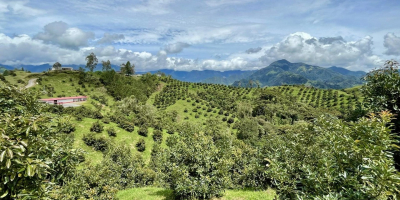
<point>201,35</point>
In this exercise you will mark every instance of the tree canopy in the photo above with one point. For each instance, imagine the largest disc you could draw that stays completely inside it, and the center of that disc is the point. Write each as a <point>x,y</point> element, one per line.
<point>91,61</point>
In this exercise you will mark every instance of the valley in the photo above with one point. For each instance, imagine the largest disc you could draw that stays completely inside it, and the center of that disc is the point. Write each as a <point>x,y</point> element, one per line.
<point>175,136</point>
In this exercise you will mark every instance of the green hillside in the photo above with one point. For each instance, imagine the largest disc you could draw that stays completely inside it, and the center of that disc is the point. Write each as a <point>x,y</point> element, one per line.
<point>283,72</point>
<point>154,137</point>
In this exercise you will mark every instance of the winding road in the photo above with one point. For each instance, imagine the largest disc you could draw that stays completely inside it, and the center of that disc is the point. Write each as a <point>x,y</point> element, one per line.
<point>31,83</point>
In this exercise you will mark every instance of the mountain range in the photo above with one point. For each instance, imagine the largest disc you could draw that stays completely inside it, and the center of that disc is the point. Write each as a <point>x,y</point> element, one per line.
<point>277,73</point>
<point>206,76</point>
<point>284,72</point>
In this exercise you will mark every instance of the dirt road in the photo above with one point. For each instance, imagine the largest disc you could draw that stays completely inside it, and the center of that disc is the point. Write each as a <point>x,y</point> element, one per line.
<point>31,83</point>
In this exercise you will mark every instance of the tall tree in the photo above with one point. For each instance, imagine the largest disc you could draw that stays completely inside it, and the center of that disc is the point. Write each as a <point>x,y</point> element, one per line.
<point>106,65</point>
<point>91,61</point>
<point>57,66</point>
<point>127,69</point>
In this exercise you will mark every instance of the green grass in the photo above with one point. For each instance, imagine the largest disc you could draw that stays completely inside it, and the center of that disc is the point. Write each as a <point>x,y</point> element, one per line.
<point>66,85</point>
<point>152,193</point>
<point>130,139</point>
<point>23,75</point>
<point>181,105</point>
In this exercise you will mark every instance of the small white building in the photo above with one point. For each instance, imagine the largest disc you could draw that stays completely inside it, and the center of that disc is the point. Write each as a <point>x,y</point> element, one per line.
<point>64,100</point>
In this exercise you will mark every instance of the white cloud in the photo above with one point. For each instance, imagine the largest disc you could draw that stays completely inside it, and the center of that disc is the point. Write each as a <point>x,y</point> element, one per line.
<point>239,33</point>
<point>302,47</point>
<point>23,49</point>
<point>109,38</point>
<point>175,47</point>
<point>392,44</point>
<point>297,47</point>
<point>59,33</point>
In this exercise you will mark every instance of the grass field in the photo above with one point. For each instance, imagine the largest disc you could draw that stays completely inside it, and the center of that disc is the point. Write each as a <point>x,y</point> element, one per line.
<point>66,84</point>
<point>130,139</point>
<point>152,193</point>
<point>21,79</point>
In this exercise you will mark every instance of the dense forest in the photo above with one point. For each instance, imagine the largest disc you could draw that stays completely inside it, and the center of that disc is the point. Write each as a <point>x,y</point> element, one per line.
<point>197,140</point>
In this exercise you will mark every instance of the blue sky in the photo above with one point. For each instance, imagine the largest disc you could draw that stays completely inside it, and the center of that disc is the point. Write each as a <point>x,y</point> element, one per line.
<point>211,34</point>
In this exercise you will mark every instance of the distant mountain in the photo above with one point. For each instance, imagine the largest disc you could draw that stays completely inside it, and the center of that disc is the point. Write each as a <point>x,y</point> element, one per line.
<point>6,67</point>
<point>284,72</point>
<point>228,80</point>
<point>347,72</point>
<point>207,76</point>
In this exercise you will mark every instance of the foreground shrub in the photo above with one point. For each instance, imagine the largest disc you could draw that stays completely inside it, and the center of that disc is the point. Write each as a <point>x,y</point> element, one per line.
<point>334,159</point>
<point>34,153</point>
<point>203,174</point>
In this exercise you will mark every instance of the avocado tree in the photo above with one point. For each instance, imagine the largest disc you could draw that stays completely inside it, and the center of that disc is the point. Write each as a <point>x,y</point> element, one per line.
<point>382,92</point>
<point>34,153</point>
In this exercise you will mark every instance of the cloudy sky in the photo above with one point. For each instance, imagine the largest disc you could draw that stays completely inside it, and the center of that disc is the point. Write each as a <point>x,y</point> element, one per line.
<point>194,34</point>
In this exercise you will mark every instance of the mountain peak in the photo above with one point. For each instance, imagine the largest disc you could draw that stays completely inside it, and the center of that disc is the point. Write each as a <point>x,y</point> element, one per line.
<point>283,61</point>
<point>284,72</point>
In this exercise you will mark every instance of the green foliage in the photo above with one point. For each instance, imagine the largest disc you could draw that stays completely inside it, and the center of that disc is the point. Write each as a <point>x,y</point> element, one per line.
<point>91,61</point>
<point>141,145</point>
<point>128,69</point>
<point>197,175</point>
<point>57,66</point>
<point>333,158</point>
<point>6,73</point>
<point>121,87</point>
<point>382,87</point>
<point>98,143</point>
<point>106,65</point>
<point>126,125</point>
<point>382,92</point>
<point>143,131</point>
<point>65,125</point>
<point>34,154</point>
<point>111,132</point>
<point>97,127</point>
<point>247,130</point>
<point>157,136</point>
<point>119,170</point>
